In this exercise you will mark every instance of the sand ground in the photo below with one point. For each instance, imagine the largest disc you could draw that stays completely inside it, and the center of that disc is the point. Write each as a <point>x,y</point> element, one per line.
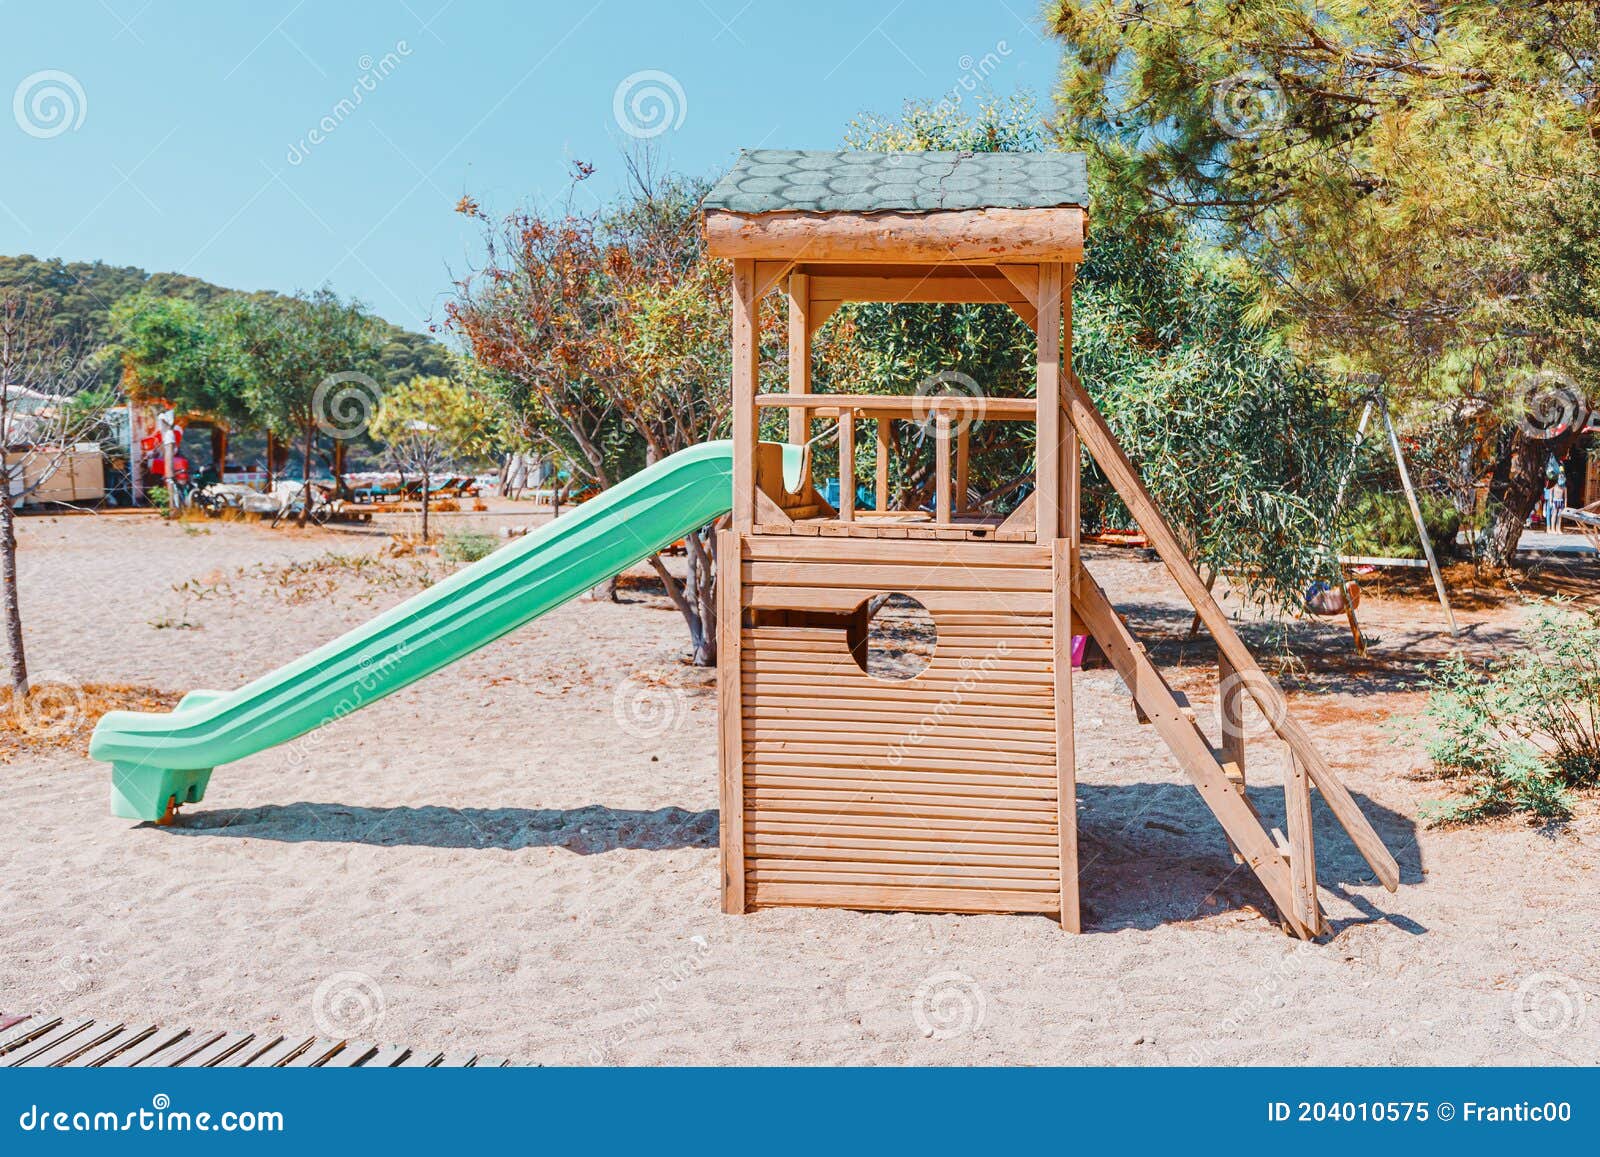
<point>518,855</point>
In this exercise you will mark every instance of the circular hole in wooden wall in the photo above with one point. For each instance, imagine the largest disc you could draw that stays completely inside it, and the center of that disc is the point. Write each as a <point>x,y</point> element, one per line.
<point>901,637</point>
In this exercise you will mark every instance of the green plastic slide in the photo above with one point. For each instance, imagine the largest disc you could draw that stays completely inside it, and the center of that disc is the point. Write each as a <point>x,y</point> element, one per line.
<point>156,758</point>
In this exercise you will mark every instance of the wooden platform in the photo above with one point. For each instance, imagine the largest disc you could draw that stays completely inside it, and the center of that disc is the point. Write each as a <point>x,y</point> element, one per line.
<point>82,1042</point>
<point>973,529</point>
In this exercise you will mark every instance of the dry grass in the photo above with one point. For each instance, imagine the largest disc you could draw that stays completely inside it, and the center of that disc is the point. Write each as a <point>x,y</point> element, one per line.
<point>63,715</point>
<point>330,576</point>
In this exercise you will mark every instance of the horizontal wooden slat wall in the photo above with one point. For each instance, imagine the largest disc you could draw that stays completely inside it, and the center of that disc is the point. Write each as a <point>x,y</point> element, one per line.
<point>937,793</point>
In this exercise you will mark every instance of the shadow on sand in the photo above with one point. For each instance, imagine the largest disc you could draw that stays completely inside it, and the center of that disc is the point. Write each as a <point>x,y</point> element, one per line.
<point>1150,853</point>
<point>586,831</point>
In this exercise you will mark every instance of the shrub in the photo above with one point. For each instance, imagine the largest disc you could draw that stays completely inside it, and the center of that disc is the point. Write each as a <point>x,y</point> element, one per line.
<point>1380,525</point>
<point>468,545</point>
<point>1521,733</point>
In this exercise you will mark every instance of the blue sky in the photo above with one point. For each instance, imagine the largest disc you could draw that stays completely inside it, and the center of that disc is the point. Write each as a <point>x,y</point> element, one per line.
<point>178,135</point>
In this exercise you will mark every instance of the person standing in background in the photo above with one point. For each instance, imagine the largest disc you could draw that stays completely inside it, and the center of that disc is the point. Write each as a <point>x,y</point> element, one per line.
<point>1555,500</point>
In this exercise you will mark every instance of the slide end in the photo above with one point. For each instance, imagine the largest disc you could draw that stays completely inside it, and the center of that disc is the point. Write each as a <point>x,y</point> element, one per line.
<point>144,793</point>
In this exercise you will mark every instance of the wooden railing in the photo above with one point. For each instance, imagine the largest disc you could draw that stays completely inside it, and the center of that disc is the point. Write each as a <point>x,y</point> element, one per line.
<point>951,415</point>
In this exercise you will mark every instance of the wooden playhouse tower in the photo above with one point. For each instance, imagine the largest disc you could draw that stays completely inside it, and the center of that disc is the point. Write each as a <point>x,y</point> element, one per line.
<point>955,790</point>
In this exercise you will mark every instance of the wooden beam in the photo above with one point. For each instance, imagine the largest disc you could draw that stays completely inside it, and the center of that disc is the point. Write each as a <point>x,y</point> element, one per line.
<point>769,274</point>
<point>847,466</point>
<point>746,373</point>
<point>1230,694</point>
<point>1103,445</point>
<point>821,311</point>
<point>1193,753</point>
<point>1071,452</point>
<point>799,355</point>
<point>885,432</point>
<point>1047,391</point>
<point>1302,845</point>
<point>1025,278</point>
<point>931,285</point>
<point>1062,565</point>
<point>1230,705</point>
<point>943,237</point>
<point>941,469</point>
<point>1022,518</point>
<point>730,712</point>
<point>963,454</point>
<point>1416,516</point>
<point>921,406</point>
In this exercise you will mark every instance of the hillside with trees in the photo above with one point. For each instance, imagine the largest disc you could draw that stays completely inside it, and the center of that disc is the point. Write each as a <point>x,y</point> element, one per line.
<point>80,296</point>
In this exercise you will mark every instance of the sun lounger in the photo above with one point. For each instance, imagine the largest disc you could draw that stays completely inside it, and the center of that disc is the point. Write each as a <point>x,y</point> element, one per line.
<point>1585,520</point>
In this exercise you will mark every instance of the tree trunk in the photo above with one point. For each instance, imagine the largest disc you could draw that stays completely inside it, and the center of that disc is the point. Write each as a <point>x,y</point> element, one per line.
<point>426,482</point>
<point>305,460</point>
<point>135,456</point>
<point>695,598</point>
<point>168,452</point>
<point>13,605</point>
<point>1517,487</point>
<point>272,449</point>
<point>341,450</point>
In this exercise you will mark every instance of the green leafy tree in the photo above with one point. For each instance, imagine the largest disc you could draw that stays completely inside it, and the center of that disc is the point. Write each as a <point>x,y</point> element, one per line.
<point>1237,439</point>
<point>605,337</point>
<point>428,424</point>
<point>1386,169</point>
<point>310,365</point>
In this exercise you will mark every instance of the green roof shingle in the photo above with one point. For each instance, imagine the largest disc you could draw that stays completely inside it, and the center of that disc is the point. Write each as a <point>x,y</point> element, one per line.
<point>774,180</point>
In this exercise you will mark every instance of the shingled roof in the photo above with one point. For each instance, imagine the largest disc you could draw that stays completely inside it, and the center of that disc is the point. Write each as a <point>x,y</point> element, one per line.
<point>776,180</point>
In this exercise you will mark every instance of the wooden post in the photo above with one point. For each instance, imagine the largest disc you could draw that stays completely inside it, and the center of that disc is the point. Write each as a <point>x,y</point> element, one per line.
<point>885,440</point>
<point>1230,704</point>
<point>1047,391</point>
<point>941,467</point>
<point>1302,845</point>
<point>963,450</point>
<point>1071,454</point>
<point>1416,515</point>
<point>1062,564</point>
<point>1231,701</point>
<point>847,464</point>
<point>746,370</point>
<point>730,711</point>
<point>799,355</point>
